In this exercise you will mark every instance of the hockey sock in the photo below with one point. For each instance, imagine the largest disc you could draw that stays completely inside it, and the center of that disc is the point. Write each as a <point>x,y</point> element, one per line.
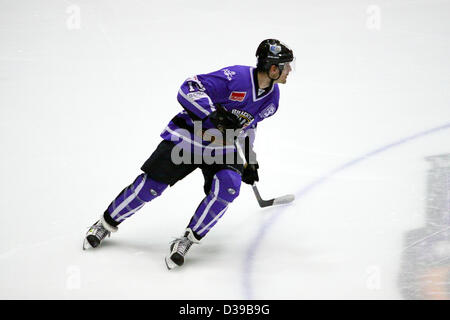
<point>133,198</point>
<point>225,188</point>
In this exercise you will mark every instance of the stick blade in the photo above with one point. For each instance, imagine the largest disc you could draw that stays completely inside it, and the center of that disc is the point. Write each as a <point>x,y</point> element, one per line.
<point>284,199</point>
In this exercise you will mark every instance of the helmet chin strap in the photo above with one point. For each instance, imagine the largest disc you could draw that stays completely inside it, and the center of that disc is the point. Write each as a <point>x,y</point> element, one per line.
<point>272,79</point>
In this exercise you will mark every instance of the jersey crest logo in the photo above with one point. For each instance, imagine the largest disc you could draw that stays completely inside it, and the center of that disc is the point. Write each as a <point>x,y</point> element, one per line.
<point>229,74</point>
<point>237,96</point>
<point>267,111</point>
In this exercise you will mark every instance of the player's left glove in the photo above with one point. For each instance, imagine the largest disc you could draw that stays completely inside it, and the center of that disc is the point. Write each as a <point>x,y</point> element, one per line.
<point>250,174</point>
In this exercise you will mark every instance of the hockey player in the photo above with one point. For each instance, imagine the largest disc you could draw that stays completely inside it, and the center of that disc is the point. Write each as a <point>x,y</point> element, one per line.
<point>232,98</point>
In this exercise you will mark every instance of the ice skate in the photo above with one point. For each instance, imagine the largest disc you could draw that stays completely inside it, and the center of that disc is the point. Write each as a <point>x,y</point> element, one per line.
<point>178,249</point>
<point>97,233</point>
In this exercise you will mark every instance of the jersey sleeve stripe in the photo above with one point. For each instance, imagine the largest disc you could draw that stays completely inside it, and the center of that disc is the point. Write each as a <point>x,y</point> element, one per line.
<point>195,104</point>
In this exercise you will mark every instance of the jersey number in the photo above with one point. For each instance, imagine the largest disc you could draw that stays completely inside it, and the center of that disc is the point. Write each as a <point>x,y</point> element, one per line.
<point>195,86</point>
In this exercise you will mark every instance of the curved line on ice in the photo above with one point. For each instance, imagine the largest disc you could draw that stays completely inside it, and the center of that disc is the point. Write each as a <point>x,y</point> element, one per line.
<point>254,244</point>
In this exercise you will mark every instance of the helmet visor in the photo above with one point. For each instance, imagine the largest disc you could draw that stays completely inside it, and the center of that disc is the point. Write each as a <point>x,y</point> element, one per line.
<point>290,65</point>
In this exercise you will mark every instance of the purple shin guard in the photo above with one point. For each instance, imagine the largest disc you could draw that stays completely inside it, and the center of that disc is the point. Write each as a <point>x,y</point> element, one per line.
<point>133,197</point>
<point>225,188</point>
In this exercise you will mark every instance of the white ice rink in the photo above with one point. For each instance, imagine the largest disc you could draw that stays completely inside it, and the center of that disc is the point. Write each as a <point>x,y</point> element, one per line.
<point>86,87</point>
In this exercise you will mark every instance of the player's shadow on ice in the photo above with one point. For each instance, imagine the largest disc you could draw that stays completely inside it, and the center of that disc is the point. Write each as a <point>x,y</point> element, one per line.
<point>130,246</point>
<point>201,254</point>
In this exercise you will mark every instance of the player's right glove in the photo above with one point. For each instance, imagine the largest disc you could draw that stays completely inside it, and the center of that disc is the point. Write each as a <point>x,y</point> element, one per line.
<point>223,119</point>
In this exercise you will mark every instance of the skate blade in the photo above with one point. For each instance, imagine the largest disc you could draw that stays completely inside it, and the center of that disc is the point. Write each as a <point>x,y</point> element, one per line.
<point>86,244</point>
<point>170,264</point>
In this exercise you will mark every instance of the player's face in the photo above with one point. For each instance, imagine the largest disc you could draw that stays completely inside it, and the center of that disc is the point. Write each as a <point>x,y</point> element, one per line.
<point>287,68</point>
<point>284,74</point>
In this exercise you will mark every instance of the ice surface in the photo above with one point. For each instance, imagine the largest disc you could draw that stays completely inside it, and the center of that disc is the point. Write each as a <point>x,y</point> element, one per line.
<point>87,86</point>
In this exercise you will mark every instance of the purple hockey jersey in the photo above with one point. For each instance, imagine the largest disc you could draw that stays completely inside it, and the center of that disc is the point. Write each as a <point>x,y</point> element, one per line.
<point>235,88</point>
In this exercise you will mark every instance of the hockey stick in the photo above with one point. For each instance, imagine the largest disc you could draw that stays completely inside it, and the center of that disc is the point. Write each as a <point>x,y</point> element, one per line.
<point>265,203</point>
<point>272,202</point>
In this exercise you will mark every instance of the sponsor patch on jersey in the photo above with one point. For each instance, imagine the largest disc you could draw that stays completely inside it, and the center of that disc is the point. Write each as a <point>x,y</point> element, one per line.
<point>268,111</point>
<point>197,95</point>
<point>245,118</point>
<point>237,96</point>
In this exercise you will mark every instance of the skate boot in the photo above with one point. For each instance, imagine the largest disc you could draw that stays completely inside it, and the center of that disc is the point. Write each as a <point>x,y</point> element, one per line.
<point>96,233</point>
<point>178,249</point>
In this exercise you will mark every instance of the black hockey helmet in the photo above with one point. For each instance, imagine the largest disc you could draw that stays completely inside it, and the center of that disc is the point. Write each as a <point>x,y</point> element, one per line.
<point>273,52</point>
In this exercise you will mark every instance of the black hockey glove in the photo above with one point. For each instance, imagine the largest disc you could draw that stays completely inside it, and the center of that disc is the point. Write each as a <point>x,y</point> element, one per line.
<point>223,119</point>
<point>250,174</point>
